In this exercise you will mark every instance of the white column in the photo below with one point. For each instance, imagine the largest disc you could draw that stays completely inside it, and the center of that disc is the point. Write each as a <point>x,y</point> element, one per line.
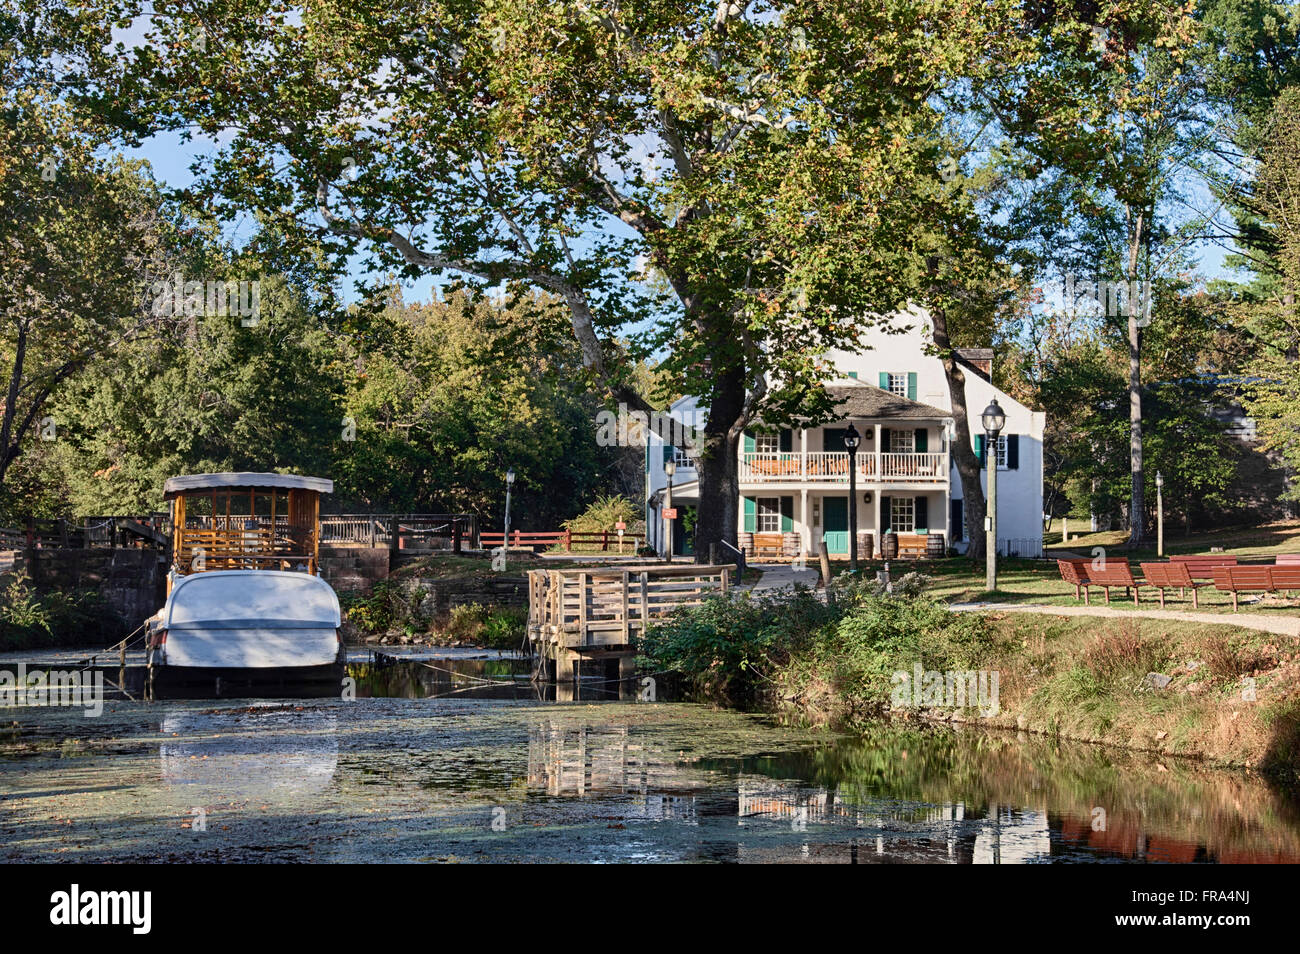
<point>875,532</point>
<point>880,463</point>
<point>805,530</point>
<point>803,457</point>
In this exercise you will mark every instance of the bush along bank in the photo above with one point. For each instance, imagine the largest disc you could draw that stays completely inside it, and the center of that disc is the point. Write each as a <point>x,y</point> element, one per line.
<point>399,613</point>
<point>1174,688</point>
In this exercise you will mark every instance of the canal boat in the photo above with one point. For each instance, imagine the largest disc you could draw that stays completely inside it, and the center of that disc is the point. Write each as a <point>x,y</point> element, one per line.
<point>246,607</point>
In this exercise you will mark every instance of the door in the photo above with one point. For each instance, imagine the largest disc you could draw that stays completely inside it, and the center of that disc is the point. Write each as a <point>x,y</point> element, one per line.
<point>835,524</point>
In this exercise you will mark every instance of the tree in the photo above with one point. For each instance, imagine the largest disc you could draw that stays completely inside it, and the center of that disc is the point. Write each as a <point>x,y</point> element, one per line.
<point>81,238</point>
<point>762,158</point>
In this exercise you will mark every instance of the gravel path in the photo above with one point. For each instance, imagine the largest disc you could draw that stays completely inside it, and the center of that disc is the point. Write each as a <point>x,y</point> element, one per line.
<point>1282,625</point>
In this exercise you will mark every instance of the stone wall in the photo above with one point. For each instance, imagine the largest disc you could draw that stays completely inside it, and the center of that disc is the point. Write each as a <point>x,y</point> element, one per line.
<point>438,596</point>
<point>132,582</point>
<point>354,569</point>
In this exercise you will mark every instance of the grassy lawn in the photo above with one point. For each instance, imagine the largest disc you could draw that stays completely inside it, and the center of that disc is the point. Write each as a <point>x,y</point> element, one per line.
<point>1247,543</point>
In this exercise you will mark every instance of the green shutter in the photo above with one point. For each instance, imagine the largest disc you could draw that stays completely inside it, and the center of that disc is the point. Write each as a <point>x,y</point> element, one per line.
<point>787,514</point>
<point>979,448</point>
<point>884,380</point>
<point>911,385</point>
<point>787,440</point>
<point>647,457</point>
<point>885,442</point>
<point>1013,452</point>
<point>668,453</point>
<point>751,518</point>
<point>921,438</point>
<point>853,375</point>
<point>885,515</point>
<point>749,443</point>
<point>922,511</point>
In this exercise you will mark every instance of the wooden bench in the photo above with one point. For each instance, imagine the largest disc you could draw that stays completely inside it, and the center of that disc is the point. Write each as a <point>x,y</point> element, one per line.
<point>773,544</point>
<point>1243,579</point>
<point>1168,576</point>
<point>1104,574</point>
<point>1287,559</point>
<point>1075,572</point>
<point>1202,566</point>
<point>913,544</point>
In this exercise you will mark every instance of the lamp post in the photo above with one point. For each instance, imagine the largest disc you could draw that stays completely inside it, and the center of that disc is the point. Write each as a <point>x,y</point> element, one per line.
<point>994,419</point>
<point>851,440</point>
<point>505,540</point>
<point>1160,514</point>
<point>670,468</point>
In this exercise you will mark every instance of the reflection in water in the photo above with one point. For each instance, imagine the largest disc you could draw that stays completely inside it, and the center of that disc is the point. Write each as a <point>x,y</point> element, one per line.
<point>516,779</point>
<point>502,677</point>
<point>933,795</point>
<point>263,751</point>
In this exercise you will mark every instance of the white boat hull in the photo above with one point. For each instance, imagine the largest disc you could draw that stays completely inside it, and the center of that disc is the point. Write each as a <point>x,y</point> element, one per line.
<point>256,620</point>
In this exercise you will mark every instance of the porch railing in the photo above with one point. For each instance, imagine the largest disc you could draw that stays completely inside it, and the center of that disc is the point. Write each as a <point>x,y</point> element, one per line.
<point>833,467</point>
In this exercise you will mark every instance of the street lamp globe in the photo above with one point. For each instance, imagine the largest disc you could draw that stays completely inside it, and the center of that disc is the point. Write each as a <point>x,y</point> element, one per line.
<point>670,467</point>
<point>1160,480</point>
<point>994,418</point>
<point>852,438</point>
<point>510,476</point>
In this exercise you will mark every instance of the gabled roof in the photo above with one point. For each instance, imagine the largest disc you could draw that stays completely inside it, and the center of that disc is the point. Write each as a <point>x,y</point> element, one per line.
<point>867,401</point>
<point>192,482</point>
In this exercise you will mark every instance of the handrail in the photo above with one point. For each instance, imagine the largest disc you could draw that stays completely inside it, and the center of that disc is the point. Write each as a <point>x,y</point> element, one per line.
<point>739,561</point>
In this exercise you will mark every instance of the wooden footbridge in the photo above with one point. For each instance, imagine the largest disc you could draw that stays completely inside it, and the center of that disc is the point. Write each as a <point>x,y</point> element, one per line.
<point>578,615</point>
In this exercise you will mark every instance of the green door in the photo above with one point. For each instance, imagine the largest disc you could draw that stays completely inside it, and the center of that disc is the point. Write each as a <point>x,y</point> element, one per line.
<point>835,524</point>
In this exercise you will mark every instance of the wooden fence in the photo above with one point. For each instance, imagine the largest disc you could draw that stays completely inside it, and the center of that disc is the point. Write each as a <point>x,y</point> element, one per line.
<point>604,541</point>
<point>377,529</point>
<point>607,607</point>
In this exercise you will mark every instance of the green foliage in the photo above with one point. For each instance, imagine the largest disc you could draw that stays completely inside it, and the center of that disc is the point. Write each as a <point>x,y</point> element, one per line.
<point>28,619</point>
<point>373,614</point>
<point>734,646</point>
<point>604,514</point>
<point>496,627</point>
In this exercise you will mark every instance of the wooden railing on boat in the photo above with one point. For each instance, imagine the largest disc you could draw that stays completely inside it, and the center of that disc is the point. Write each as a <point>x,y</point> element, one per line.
<point>608,606</point>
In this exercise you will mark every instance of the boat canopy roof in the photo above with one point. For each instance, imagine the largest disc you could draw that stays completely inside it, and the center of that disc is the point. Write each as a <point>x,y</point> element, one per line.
<point>196,482</point>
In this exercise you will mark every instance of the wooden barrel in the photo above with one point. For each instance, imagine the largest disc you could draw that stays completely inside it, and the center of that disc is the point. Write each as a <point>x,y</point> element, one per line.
<point>790,544</point>
<point>866,544</point>
<point>934,547</point>
<point>889,546</point>
<point>746,543</point>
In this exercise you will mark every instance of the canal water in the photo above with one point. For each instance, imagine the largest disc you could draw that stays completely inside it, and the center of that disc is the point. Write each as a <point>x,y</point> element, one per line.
<point>456,757</point>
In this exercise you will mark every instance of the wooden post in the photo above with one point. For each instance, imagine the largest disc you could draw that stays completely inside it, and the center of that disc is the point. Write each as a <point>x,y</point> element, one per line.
<point>825,565</point>
<point>713,554</point>
<point>455,534</point>
<point>627,632</point>
<point>568,540</point>
<point>121,669</point>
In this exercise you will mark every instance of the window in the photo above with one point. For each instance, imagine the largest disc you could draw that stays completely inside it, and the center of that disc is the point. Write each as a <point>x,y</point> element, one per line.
<point>902,442</point>
<point>1002,452</point>
<point>902,514</point>
<point>898,384</point>
<point>767,443</point>
<point>682,459</point>
<point>769,515</point>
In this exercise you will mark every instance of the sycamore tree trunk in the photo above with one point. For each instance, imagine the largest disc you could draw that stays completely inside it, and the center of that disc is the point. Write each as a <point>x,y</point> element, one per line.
<point>719,487</point>
<point>963,448</point>
<point>1137,509</point>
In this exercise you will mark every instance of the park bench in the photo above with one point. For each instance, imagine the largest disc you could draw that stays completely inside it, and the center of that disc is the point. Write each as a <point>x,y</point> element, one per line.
<point>1243,579</point>
<point>1287,559</point>
<point>911,545</point>
<point>770,544</point>
<point>1168,576</point>
<point>1104,574</point>
<point>1075,572</point>
<point>1202,566</point>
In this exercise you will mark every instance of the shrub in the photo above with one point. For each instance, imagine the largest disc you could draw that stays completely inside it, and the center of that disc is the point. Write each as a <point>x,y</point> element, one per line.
<point>371,614</point>
<point>77,616</point>
<point>727,642</point>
